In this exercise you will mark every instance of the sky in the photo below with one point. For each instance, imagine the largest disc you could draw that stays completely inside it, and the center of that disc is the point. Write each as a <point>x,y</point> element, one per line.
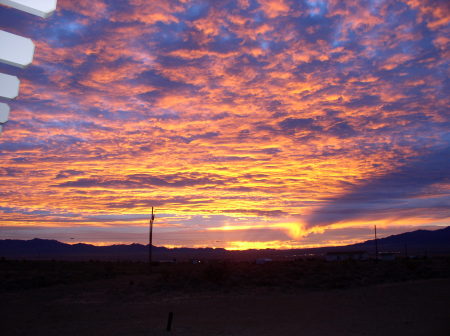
<point>245,123</point>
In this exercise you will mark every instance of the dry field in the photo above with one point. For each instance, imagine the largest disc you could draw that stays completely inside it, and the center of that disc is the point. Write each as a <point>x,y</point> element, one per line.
<point>138,304</point>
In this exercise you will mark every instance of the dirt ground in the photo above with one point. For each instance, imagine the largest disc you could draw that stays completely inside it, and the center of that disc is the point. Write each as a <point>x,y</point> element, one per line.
<point>119,307</point>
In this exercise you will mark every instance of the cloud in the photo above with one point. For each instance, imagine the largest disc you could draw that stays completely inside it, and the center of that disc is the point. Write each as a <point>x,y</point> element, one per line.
<point>292,125</point>
<point>258,212</point>
<point>244,108</point>
<point>157,202</point>
<point>342,130</point>
<point>68,173</point>
<point>142,181</point>
<point>414,185</point>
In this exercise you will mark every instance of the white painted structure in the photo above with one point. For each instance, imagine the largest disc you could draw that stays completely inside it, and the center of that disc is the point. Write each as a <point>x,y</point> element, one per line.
<point>18,51</point>
<point>4,113</point>
<point>388,256</point>
<point>262,261</point>
<point>9,86</point>
<point>346,255</point>
<point>42,8</point>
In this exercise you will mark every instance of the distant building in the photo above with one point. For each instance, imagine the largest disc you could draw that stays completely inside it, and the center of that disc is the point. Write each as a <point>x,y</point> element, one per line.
<point>388,256</point>
<point>346,255</point>
<point>167,261</point>
<point>261,261</point>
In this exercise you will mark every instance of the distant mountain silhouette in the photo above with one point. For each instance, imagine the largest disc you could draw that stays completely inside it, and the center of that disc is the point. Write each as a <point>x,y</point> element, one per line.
<point>420,239</point>
<point>53,249</point>
<point>420,242</point>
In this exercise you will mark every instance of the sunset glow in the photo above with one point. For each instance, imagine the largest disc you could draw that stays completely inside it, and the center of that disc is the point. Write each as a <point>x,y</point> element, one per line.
<point>245,123</point>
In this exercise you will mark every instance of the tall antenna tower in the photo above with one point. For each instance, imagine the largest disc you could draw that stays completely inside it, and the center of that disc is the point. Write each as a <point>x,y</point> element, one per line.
<point>376,244</point>
<point>150,240</point>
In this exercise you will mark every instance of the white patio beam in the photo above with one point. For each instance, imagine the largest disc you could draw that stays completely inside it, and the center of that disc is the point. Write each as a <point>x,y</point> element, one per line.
<point>16,50</point>
<point>9,86</point>
<point>4,113</point>
<point>42,8</point>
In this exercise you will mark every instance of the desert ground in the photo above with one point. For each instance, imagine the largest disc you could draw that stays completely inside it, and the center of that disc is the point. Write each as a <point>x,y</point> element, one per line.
<point>134,303</point>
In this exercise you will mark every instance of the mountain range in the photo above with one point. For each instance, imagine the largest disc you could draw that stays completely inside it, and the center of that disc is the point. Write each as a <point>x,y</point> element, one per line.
<point>417,243</point>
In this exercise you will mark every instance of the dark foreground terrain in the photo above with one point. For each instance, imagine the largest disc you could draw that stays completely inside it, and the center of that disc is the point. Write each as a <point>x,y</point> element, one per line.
<point>303,297</point>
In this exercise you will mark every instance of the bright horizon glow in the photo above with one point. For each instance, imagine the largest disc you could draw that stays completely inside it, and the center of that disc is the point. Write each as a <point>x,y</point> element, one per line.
<point>244,123</point>
<point>235,245</point>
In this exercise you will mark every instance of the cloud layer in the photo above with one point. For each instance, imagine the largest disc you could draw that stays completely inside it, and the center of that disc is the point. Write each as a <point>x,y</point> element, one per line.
<point>292,117</point>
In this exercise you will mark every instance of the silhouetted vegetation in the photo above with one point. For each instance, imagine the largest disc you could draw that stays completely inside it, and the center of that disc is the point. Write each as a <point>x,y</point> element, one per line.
<point>223,276</point>
<point>25,274</point>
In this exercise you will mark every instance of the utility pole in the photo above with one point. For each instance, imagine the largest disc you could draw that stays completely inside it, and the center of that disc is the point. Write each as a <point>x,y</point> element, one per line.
<point>150,241</point>
<point>376,244</point>
<point>406,249</point>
